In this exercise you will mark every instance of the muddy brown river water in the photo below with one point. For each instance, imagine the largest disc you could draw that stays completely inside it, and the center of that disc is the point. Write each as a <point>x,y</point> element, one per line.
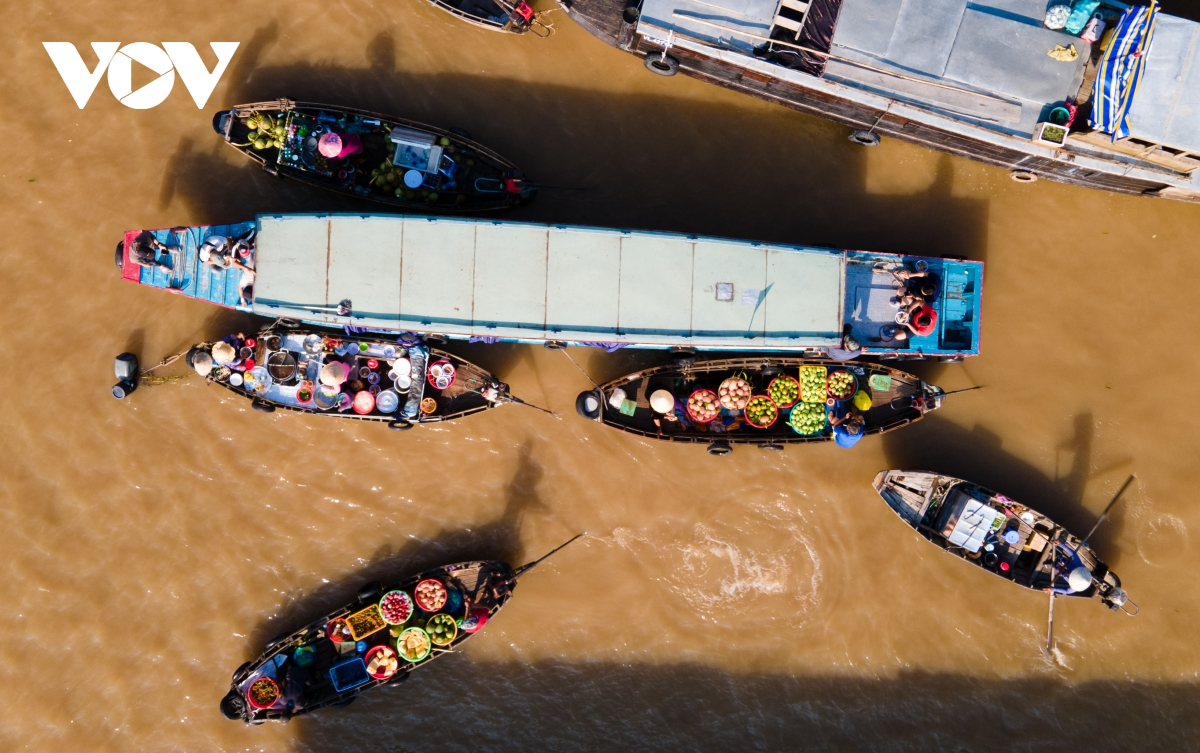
<point>763,601</point>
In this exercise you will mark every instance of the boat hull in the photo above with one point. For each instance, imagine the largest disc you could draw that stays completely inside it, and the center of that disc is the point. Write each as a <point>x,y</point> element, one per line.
<point>997,534</point>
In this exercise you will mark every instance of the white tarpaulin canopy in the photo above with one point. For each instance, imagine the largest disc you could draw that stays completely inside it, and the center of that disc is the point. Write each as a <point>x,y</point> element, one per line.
<point>538,282</point>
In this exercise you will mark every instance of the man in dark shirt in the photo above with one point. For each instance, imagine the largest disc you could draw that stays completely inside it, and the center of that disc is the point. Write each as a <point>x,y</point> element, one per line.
<point>144,249</point>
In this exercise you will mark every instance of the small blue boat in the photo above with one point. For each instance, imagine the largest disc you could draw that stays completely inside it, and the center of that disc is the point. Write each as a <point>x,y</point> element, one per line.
<point>570,285</point>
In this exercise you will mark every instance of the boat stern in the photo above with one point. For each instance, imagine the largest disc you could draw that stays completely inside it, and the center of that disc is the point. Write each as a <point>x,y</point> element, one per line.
<point>221,123</point>
<point>880,481</point>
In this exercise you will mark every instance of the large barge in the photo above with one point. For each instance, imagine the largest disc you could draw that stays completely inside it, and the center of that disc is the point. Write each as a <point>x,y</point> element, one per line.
<point>561,284</point>
<point>988,82</point>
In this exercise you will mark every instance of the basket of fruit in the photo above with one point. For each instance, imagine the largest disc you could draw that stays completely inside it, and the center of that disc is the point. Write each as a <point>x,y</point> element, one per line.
<point>703,406</point>
<point>761,412</point>
<point>808,419</point>
<point>430,595</point>
<point>413,644</point>
<point>262,693</point>
<point>812,384</point>
<point>338,630</point>
<point>366,622</point>
<point>734,393</point>
<point>842,385</point>
<point>396,607</point>
<point>784,391</point>
<point>442,629</point>
<point>382,662</point>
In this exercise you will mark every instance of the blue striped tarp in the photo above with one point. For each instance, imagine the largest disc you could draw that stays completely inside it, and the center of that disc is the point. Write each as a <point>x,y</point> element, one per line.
<point>1121,69</point>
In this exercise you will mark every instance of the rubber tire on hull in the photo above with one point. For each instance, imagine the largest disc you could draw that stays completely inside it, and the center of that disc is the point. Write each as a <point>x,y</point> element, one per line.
<point>771,447</point>
<point>950,359</point>
<point>238,675</point>
<point>1023,176</point>
<point>864,138</point>
<point>262,407</point>
<point>370,591</point>
<point>663,65</point>
<point>233,706</point>
<point>434,340</point>
<point>400,425</point>
<point>719,449</point>
<point>276,641</point>
<point>120,257</point>
<point>581,404</point>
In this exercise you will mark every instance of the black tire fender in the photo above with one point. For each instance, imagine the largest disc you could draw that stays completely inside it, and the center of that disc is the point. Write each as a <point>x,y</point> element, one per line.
<point>581,404</point>
<point>399,425</point>
<point>233,706</point>
<point>950,359</point>
<point>864,138</point>
<point>369,591</point>
<point>1023,176</point>
<point>241,672</point>
<point>661,64</point>
<point>262,407</point>
<point>120,256</point>
<point>719,449</point>
<point>771,447</point>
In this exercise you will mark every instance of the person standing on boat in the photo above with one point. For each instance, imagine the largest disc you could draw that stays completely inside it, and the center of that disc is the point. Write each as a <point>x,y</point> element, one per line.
<point>144,249</point>
<point>847,429</point>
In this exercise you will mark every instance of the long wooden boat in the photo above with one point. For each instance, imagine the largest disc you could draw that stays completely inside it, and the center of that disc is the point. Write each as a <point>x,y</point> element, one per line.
<point>406,383</point>
<point>402,163</point>
<point>1000,535</point>
<point>531,283</point>
<point>965,78</point>
<point>896,399</point>
<point>512,17</point>
<point>328,662</point>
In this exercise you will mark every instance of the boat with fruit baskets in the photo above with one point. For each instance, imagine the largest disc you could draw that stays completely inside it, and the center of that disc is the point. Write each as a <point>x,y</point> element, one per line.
<point>379,639</point>
<point>767,402</point>
<point>1004,537</point>
<point>382,158</point>
<point>400,383</point>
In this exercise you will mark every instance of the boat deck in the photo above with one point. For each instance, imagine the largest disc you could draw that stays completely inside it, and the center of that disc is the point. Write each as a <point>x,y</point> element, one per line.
<point>188,276</point>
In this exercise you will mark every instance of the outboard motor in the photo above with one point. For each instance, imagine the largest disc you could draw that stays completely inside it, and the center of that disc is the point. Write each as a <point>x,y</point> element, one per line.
<point>126,369</point>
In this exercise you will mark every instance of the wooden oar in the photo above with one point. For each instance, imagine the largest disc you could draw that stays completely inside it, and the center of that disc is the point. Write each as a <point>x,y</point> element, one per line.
<point>1104,514</point>
<point>526,568</point>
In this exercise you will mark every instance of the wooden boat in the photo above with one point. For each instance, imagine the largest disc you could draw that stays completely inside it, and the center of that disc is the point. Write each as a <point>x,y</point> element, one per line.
<point>312,669</point>
<point>1000,536</point>
<point>282,368</point>
<point>446,171</point>
<point>965,78</point>
<point>896,400</point>
<point>495,15</point>
<point>563,284</point>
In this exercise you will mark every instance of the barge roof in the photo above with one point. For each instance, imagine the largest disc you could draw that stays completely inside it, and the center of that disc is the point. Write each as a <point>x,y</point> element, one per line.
<point>1166,107</point>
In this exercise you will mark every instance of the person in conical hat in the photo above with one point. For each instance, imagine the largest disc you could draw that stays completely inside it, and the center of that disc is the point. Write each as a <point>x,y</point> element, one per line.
<point>202,363</point>
<point>223,353</point>
<point>333,374</point>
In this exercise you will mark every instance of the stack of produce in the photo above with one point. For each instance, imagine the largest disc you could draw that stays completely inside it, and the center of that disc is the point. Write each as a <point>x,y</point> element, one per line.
<point>265,132</point>
<point>841,385</point>
<point>703,406</point>
<point>430,595</point>
<point>382,662</point>
<point>339,630</point>
<point>808,419</point>
<point>734,393</point>
<point>262,693</point>
<point>761,412</point>
<point>784,391</point>
<point>396,607</point>
<point>812,384</point>
<point>413,644</point>
<point>442,629</point>
<point>366,622</point>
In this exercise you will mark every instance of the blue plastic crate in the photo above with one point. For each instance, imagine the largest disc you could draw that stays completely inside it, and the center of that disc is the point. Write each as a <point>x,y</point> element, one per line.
<point>349,674</point>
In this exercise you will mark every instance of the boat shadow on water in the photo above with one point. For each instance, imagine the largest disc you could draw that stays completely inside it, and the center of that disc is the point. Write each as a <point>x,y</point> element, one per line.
<point>600,706</point>
<point>641,160</point>
<point>498,539</point>
<point>977,455</point>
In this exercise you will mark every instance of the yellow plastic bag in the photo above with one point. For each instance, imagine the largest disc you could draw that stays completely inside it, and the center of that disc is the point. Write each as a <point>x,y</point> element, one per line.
<point>862,401</point>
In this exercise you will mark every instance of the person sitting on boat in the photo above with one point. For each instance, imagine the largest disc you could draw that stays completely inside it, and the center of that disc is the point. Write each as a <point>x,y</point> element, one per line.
<point>921,320</point>
<point>847,429</point>
<point>848,352</point>
<point>916,287</point>
<point>144,249</point>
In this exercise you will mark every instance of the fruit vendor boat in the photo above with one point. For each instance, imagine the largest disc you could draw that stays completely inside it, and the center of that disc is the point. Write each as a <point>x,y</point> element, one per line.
<point>795,387</point>
<point>394,161</point>
<point>1097,102</point>
<point>379,639</point>
<point>1001,536</point>
<point>563,284</point>
<point>349,376</point>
